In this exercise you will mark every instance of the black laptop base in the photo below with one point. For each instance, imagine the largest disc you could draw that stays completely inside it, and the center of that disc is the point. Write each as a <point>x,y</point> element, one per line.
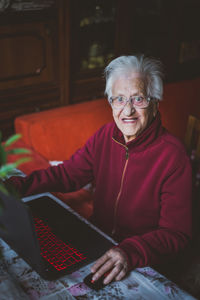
<point>21,235</point>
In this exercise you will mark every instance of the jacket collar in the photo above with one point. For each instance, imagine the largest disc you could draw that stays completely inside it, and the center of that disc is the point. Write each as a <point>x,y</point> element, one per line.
<point>147,137</point>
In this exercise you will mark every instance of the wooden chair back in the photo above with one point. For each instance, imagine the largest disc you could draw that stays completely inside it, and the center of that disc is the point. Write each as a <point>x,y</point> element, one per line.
<point>192,136</point>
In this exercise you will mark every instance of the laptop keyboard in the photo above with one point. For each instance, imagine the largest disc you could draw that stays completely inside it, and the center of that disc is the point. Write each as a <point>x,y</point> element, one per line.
<point>59,254</point>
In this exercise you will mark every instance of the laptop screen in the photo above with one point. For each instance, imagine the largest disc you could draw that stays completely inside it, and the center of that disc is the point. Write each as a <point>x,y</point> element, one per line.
<point>33,227</point>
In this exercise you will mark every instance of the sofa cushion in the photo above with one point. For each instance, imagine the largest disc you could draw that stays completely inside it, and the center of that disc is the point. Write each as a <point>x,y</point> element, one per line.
<point>57,133</point>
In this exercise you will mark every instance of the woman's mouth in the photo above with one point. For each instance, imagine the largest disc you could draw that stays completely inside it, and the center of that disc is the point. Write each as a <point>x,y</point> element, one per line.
<point>129,120</point>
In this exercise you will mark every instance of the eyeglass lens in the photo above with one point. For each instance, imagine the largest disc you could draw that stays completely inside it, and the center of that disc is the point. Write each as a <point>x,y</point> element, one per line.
<point>137,101</point>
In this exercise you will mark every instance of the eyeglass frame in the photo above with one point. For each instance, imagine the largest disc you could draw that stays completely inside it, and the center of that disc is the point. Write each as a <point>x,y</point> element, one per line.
<point>148,99</point>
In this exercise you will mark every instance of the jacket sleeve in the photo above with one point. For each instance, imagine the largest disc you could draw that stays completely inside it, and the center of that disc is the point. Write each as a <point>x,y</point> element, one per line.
<point>69,176</point>
<point>175,224</point>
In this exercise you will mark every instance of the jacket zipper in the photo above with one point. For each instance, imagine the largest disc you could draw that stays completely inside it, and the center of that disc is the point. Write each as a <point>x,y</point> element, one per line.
<point>120,191</point>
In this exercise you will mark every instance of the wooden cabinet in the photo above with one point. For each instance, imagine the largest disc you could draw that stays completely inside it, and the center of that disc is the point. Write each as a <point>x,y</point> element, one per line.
<point>30,77</point>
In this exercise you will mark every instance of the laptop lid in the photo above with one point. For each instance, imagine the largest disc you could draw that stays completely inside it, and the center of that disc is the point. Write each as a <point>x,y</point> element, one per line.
<point>19,231</point>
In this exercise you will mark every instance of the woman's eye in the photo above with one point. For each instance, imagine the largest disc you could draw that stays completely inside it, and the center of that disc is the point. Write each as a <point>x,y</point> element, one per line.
<point>138,99</point>
<point>120,99</point>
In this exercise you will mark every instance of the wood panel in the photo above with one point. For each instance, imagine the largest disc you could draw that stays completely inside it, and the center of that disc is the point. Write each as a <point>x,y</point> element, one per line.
<point>87,89</point>
<point>31,99</point>
<point>31,73</point>
<point>26,55</point>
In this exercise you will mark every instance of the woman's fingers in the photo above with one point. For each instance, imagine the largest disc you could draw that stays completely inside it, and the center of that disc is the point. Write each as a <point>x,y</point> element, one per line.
<point>114,263</point>
<point>121,274</point>
<point>113,274</point>
<point>104,268</point>
<point>99,262</point>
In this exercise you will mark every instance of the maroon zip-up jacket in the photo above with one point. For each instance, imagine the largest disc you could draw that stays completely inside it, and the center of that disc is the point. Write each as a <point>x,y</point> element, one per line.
<point>143,189</point>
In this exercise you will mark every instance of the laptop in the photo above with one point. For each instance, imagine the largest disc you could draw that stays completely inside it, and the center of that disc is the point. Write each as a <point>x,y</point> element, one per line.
<point>52,238</point>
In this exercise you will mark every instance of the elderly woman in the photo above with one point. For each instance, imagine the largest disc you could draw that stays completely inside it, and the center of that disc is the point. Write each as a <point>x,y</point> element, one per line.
<point>142,174</point>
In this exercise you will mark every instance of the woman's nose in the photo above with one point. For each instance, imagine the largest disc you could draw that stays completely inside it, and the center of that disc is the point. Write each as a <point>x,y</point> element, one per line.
<point>129,109</point>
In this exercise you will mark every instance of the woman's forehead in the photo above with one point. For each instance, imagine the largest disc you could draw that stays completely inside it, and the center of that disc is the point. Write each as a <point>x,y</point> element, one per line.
<point>131,82</point>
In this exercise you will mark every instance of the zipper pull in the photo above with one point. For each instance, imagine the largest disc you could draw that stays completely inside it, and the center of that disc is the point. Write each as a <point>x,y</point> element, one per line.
<point>127,153</point>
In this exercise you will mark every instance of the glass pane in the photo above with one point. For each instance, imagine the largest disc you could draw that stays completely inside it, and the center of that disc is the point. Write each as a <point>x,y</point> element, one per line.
<point>94,34</point>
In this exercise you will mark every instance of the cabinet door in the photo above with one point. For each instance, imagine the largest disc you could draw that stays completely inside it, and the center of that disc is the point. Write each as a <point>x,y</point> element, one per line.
<point>26,53</point>
<point>92,46</point>
<point>29,75</point>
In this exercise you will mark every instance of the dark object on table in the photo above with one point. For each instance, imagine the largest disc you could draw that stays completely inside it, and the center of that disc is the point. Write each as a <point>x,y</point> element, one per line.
<point>97,284</point>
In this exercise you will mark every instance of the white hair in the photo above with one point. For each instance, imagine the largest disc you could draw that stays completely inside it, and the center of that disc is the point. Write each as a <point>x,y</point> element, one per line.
<point>150,70</point>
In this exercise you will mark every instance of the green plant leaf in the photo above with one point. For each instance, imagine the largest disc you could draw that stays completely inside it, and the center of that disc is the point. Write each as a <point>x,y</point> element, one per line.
<point>12,139</point>
<point>6,169</point>
<point>3,155</point>
<point>21,161</point>
<point>18,151</point>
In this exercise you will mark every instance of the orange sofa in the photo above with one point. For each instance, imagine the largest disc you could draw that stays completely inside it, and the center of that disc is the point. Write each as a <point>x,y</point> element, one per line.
<point>55,134</point>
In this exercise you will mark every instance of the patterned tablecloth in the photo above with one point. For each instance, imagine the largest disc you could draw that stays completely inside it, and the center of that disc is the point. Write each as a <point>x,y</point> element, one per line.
<point>19,281</point>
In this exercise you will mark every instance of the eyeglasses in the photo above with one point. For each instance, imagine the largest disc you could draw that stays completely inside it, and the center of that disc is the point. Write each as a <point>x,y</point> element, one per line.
<point>119,102</point>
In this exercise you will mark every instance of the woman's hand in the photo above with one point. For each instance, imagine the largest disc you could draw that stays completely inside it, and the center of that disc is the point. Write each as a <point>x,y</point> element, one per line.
<point>114,262</point>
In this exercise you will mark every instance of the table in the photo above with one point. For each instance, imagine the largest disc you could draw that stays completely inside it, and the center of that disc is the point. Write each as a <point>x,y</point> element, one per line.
<point>18,281</point>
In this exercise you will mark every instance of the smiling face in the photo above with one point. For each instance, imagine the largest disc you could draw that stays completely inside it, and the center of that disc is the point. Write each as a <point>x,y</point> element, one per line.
<point>131,121</point>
